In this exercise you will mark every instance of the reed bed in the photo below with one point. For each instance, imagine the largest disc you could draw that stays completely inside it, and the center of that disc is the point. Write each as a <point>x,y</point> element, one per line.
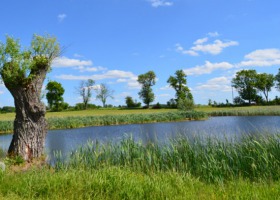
<point>84,121</point>
<point>75,122</point>
<point>265,111</point>
<point>208,159</point>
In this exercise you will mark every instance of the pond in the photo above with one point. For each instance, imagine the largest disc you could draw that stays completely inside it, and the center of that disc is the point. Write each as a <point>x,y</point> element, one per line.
<point>66,141</point>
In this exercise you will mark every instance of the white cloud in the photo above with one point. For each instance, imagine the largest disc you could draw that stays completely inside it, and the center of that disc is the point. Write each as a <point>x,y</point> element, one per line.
<point>200,45</point>
<point>91,69</point>
<point>216,84</point>
<point>61,17</point>
<point>68,62</point>
<point>132,83</point>
<point>261,58</point>
<point>121,76</point>
<point>213,34</point>
<point>208,68</point>
<point>158,3</point>
<point>1,92</point>
<point>215,48</point>
<point>201,41</point>
<point>180,49</point>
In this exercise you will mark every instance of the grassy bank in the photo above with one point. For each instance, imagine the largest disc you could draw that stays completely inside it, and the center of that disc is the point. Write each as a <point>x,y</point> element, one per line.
<point>101,120</point>
<point>197,169</point>
<point>241,111</point>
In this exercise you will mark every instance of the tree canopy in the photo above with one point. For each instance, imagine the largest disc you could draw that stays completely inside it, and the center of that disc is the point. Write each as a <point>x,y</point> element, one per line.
<point>54,95</point>
<point>245,83</point>
<point>179,84</point>
<point>147,80</point>
<point>264,83</point>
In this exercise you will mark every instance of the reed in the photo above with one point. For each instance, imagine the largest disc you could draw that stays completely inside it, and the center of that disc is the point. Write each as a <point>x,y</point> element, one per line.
<point>259,111</point>
<point>209,159</point>
<point>196,168</point>
<point>105,120</point>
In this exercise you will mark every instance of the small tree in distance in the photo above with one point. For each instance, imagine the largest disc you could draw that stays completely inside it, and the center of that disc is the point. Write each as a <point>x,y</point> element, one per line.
<point>245,83</point>
<point>103,92</point>
<point>147,80</point>
<point>264,83</point>
<point>179,84</point>
<point>54,95</point>
<point>130,103</point>
<point>85,91</point>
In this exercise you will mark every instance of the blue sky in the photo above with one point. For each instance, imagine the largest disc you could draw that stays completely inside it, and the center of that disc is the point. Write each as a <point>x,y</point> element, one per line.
<point>113,41</point>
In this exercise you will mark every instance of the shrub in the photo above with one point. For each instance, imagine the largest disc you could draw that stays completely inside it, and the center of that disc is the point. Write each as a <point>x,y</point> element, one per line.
<point>185,104</point>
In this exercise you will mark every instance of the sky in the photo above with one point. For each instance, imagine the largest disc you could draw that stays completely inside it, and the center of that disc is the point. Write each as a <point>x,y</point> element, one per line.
<point>114,41</point>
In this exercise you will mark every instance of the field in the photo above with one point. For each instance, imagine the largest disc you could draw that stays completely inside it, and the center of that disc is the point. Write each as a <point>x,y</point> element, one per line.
<point>272,110</point>
<point>80,119</point>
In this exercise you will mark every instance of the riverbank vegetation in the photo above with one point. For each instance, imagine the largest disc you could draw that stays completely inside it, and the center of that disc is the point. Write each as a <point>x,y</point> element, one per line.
<point>69,122</point>
<point>115,116</point>
<point>196,168</point>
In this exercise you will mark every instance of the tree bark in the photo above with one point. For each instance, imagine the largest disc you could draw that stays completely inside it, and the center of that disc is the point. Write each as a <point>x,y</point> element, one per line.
<point>30,125</point>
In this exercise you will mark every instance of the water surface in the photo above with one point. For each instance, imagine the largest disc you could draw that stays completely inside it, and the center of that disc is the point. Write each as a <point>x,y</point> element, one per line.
<point>68,140</point>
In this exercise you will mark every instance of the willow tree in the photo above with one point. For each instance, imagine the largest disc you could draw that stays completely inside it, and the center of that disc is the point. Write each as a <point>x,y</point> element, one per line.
<point>23,72</point>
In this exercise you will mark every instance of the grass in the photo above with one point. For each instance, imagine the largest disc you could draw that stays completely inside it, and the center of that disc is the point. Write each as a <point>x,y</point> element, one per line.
<point>204,168</point>
<point>95,112</point>
<point>241,111</point>
<point>123,183</point>
<point>209,159</point>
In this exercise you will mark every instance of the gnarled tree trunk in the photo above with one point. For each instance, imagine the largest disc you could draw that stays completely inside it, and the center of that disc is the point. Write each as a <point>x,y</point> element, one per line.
<point>30,125</point>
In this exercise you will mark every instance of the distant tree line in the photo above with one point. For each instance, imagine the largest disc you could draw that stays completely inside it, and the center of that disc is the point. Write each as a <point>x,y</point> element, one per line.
<point>252,88</point>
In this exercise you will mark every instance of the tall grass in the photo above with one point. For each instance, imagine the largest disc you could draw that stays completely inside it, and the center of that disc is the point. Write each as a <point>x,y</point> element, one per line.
<point>83,121</point>
<point>201,168</point>
<point>209,159</point>
<point>123,183</point>
<point>260,111</point>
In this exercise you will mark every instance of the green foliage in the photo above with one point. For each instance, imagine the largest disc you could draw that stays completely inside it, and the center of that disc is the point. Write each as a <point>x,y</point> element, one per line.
<point>19,67</point>
<point>147,80</point>
<point>54,95</point>
<point>179,84</point>
<point>245,82</point>
<point>76,122</point>
<point>171,103</point>
<point>103,92</point>
<point>264,83</point>
<point>277,79</point>
<point>211,160</point>
<point>8,109</point>
<point>81,106</point>
<point>130,103</point>
<point>185,104</point>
